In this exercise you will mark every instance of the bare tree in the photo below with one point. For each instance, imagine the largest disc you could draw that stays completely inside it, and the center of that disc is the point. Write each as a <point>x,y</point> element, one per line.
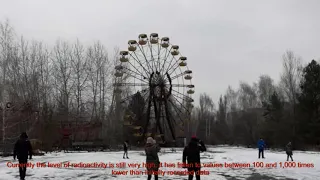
<point>290,78</point>
<point>98,59</point>
<point>79,64</point>
<point>265,88</point>
<point>247,96</point>
<point>206,108</point>
<point>195,118</point>
<point>6,45</point>
<point>232,99</point>
<point>62,70</point>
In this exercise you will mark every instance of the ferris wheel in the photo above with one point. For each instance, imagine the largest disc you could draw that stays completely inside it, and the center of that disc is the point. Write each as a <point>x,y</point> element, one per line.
<point>155,69</point>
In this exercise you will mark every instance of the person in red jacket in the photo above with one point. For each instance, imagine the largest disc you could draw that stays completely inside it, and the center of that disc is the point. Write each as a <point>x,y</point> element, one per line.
<point>191,153</point>
<point>22,149</point>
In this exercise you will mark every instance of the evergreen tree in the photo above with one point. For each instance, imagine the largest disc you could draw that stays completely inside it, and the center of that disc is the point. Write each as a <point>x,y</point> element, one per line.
<point>137,106</point>
<point>309,104</point>
<point>276,127</point>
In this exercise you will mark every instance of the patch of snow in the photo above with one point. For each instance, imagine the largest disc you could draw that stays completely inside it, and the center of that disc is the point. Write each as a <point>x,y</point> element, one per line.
<point>221,154</point>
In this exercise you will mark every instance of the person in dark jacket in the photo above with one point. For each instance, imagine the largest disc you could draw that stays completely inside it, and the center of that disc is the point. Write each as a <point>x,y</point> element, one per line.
<point>152,158</point>
<point>191,153</point>
<point>125,149</point>
<point>22,149</point>
<point>261,146</point>
<point>289,151</point>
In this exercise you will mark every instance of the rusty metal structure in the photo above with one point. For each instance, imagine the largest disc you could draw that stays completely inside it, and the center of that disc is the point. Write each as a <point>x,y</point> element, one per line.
<point>157,70</point>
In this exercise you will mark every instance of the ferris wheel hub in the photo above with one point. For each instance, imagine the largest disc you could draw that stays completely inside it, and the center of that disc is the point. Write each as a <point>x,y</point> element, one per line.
<point>159,86</point>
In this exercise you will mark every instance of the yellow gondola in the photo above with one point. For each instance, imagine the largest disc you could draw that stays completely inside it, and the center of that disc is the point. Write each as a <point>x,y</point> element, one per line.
<point>123,56</point>
<point>175,50</point>
<point>182,64</point>
<point>190,91</point>
<point>132,45</point>
<point>165,42</point>
<point>154,38</point>
<point>182,58</point>
<point>143,39</point>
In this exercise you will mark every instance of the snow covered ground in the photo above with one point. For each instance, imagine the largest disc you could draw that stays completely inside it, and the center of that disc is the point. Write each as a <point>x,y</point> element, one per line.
<point>213,155</point>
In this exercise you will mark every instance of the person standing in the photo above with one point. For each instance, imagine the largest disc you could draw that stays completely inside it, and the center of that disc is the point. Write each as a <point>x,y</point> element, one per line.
<point>152,158</point>
<point>22,149</point>
<point>125,149</point>
<point>191,153</point>
<point>289,151</point>
<point>261,146</point>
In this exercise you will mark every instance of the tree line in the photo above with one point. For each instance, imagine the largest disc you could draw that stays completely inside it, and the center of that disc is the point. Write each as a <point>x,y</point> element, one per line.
<point>278,112</point>
<point>73,82</point>
<point>69,82</point>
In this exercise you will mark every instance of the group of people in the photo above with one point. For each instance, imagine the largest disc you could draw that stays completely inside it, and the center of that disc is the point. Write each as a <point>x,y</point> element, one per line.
<point>262,146</point>
<point>190,156</point>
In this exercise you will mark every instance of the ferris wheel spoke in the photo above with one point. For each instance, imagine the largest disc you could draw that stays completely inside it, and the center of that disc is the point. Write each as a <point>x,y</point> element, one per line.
<point>160,54</point>
<point>185,96</point>
<point>173,70</point>
<point>168,119</point>
<point>136,77</point>
<point>177,76</point>
<point>159,51</point>
<point>181,85</point>
<point>137,60</point>
<point>176,109</point>
<point>170,68</point>
<point>174,96</point>
<point>152,57</point>
<point>130,84</point>
<point>139,74</point>
<point>167,53</point>
<point>165,62</point>
<point>162,60</point>
<point>144,55</point>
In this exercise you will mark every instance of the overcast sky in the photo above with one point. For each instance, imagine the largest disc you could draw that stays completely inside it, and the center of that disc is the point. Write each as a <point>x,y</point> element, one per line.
<point>225,41</point>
